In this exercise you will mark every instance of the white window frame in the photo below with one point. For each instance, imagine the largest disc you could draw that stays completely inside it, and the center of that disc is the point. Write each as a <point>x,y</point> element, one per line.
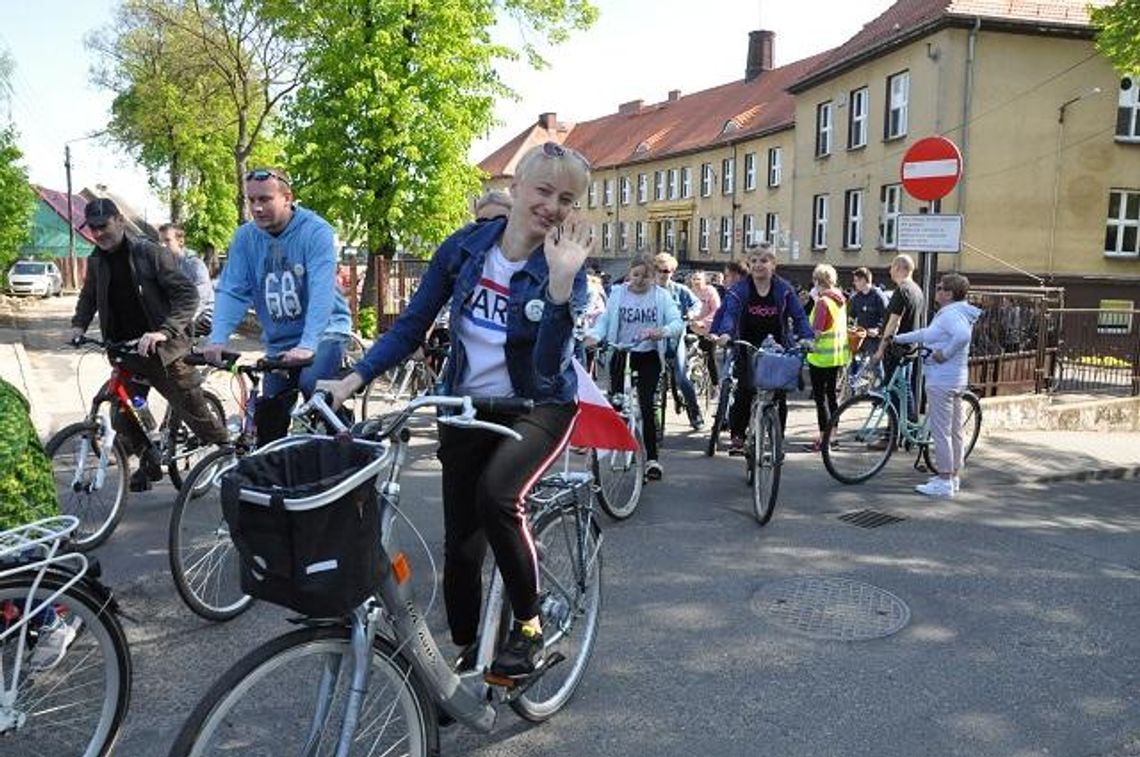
<point>607,236</point>
<point>626,190</point>
<point>896,123</point>
<point>857,110</point>
<point>669,234</point>
<point>658,185</point>
<point>592,195</point>
<point>608,193</point>
<point>1115,317</point>
<point>672,184</point>
<point>824,126</point>
<point>890,205</point>
<point>725,234</point>
<point>853,219</point>
<point>1128,110</point>
<point>642,189</point>
<point>749,171</point>
<point>775,165</point>
<point>1128,198</point>
<point>703,234</point>
<point>727,176</point>
<point>748,228</point>
<point>706,179</point>
<point>623,235</point>
<point>686,183</point>
<point>771,227</point>
<point>639,235</point>
<point>819,212</point>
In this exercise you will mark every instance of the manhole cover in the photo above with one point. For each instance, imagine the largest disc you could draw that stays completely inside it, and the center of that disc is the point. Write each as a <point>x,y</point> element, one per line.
<point>831,608</point>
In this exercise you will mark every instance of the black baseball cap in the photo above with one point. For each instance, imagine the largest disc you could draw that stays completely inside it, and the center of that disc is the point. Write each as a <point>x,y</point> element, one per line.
<point>99,211</point>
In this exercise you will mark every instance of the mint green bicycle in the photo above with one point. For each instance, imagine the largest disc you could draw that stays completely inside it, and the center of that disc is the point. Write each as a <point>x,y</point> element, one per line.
<point>866,429</point>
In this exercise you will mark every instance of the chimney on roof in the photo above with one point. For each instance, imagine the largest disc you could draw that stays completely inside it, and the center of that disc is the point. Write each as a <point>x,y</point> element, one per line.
<point>633,106</point>
<point>760,45</point>
<point>674,95</point>
<point>548,121</point>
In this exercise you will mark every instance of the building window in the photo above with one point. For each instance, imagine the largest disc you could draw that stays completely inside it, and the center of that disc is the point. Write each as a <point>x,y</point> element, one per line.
<point>608,192</point>
<point>823,129</point>
<point>672,185</point>
<point>626,190</point>
<point>749,172</point>
<point>642,188</point>
<point>607,236</point>
<point>853,219</point>
<point>1122,235</point>
<point>857,119</point>
<point>890,201</point>
<point>592,195</point>
<point>898,96</point>
<point>1128,112</point>
<point>623,235</point>
<point>639,234</point>
<point>686,183</point>
<point>727,180</point>
<point>1115,317</point>
<point>658,185</point>
<point>706,179</point>
<point>819,222</point>
<point>725,234</point>
<point>670,235</point>
<point>703,235</point>
<point>771,228</point>
<point>775,161</point>
<point>748,223</point>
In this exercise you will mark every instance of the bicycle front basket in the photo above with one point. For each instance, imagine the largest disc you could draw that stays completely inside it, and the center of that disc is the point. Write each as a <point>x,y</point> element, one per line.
<point>776,371</point>
<point>305,523</point>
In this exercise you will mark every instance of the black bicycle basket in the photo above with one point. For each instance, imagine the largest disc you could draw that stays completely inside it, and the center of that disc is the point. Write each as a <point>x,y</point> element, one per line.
<point>305,523</point>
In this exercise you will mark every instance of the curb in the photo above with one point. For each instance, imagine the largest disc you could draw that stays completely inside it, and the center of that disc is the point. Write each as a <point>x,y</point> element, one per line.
<point>29,387</point>
<point>1098,474</point>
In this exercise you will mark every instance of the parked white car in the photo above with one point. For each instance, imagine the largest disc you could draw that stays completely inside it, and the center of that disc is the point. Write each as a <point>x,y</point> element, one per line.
<point>36,278</point>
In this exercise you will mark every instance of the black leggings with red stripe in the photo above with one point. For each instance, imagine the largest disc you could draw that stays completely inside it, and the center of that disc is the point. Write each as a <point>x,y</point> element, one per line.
<point>485,477</point>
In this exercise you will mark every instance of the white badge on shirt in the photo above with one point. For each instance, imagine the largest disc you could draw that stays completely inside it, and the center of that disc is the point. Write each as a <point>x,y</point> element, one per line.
<point>534,310</point>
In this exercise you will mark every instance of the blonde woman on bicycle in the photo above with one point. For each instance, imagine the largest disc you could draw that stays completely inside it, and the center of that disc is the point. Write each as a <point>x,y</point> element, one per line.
<point>510,283</point>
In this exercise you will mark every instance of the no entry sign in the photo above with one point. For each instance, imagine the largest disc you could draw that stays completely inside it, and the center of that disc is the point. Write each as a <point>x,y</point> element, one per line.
<point>931,168</point>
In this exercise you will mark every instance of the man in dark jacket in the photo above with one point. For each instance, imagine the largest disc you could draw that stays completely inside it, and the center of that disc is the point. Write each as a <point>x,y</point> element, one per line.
<point>753,309</point>
<point>139,293</point>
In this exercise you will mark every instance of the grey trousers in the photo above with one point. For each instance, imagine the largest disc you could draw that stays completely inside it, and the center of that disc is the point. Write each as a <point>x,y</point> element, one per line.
<point>944,411</point>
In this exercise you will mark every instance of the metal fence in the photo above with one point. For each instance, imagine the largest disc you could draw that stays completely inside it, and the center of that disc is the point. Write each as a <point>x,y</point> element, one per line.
<point>1098,352</point>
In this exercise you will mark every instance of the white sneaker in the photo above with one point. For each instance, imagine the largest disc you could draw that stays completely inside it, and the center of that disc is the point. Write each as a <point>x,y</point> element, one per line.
<point>936,487</point>
<point>955,482</point>
<point>53,643</point>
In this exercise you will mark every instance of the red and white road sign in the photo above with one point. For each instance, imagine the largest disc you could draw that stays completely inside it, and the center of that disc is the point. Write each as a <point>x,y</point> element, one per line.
<point>931,168</point>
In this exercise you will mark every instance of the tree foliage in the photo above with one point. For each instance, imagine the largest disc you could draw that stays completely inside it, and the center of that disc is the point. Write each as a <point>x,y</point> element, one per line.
<point>1118,34</point>
<point>17,200</point>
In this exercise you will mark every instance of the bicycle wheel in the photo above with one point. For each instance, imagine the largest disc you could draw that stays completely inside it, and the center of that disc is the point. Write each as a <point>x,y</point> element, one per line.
<point>76,706</point>
<point>288,697</point>
<point>92,493</point>
<point>185,449</point>
<point>860,438</point>
<point>698,374</point>
<point>720,420</point>
<point>660,404</point>
<point>387,391</point>
<point>203,560</point>
<point>766,463</point>
<point>971,427</point>
<point>570,591</point>
<point>619,475</point>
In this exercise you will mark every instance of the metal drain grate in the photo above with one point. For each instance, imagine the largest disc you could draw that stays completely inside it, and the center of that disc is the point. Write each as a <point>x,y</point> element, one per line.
<point>870,518</point>
<point>831,608</point>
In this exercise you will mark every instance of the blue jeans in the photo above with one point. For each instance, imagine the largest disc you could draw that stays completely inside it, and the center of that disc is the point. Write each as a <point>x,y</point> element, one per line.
<point>326,365</point>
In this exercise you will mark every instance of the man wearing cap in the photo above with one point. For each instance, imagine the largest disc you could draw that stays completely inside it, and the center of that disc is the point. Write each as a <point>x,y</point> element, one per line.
<point>283,263</point>
<point>139,293</point>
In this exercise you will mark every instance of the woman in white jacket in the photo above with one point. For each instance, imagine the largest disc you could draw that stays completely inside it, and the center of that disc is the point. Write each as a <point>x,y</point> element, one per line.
<point>945,371</point>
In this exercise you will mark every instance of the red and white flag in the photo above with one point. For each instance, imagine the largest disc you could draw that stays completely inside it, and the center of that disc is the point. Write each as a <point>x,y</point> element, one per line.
<point>598,425</point>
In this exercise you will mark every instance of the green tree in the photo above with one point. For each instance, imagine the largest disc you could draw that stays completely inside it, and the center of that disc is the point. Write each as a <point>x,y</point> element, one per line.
<point>1118,34</point>
<point>17,200</point>
<point>396,92</point>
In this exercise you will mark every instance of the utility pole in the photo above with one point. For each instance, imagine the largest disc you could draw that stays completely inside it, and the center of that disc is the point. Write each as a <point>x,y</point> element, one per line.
<point>72,266</point>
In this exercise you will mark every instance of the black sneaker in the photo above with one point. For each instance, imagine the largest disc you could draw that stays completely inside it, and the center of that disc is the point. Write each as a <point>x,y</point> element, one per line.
<point>518,657</point>
<point>149,471</point>
<point>736,447</point>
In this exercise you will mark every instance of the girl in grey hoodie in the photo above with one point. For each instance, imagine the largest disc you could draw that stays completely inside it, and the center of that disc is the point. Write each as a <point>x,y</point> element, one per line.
<point>945,371</point>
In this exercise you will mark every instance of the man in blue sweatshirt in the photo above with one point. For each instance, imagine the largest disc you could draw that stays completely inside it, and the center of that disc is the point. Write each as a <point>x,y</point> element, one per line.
<point>283,263</point>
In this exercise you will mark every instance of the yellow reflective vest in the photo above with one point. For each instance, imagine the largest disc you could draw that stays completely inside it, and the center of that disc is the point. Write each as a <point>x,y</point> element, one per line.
<point>831,347</point>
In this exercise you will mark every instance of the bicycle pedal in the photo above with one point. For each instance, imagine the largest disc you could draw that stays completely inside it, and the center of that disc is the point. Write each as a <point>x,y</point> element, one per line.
<point>517,688</point>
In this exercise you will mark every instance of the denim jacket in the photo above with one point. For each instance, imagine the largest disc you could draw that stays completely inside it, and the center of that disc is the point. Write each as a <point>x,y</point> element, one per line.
<point>539,345</point>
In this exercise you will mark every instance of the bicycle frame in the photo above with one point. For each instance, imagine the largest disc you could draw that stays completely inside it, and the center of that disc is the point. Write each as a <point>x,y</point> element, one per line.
<point>897,393</point>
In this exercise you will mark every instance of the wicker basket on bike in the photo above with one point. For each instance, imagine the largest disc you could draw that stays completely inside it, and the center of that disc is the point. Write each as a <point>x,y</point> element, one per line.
<point>303,516</point>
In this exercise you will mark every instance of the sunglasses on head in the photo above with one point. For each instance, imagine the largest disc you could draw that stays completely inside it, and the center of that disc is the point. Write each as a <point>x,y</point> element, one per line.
<point>555,150</point>
<point>262,174</point>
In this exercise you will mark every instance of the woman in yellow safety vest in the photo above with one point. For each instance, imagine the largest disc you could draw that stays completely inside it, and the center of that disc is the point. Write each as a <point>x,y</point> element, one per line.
<point>831,351</point>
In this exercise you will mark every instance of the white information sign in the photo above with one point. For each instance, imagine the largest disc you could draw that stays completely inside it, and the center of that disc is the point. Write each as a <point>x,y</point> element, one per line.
<point>930,232</point>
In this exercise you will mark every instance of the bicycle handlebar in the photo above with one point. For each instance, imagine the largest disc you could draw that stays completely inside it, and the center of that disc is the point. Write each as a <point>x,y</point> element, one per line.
<point>261,365</point>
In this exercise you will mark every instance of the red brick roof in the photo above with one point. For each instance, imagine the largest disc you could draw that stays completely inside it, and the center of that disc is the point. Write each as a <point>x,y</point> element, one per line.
<point>671,127</point>
<point>908,19</point>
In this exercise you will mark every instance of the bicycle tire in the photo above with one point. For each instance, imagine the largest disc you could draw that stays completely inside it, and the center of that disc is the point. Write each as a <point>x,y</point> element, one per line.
<point>251,710</point>
<point>571,604</point>
<point>698,374</point>
<point>203,560</point>
<point>971,427</point>
<point>386,392</point>
<point>98,515</point>
<point>661,404</point>
<point>766,464</point>
<point>98,657</point>
<point>720,419</point>
<point>616,471</point>
<point>860,438</point>
<point>181,461</point>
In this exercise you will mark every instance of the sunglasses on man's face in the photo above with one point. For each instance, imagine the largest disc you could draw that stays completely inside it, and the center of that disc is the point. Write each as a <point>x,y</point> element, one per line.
<point>263,174</point>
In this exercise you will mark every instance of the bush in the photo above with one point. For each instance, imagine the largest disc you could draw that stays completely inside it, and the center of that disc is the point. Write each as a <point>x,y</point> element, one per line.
<point>366,322</point>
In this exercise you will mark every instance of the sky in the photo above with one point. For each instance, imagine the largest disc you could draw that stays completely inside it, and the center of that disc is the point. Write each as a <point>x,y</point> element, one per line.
<point>638,49</point>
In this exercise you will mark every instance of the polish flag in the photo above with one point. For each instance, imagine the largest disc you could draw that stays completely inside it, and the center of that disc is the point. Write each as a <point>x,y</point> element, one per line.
<point>598,425</point>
